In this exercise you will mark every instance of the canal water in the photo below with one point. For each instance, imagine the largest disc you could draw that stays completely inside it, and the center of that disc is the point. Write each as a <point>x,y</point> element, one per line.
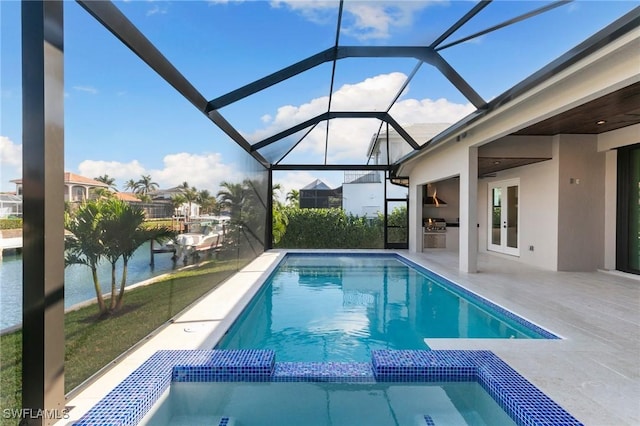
<point>78,282</point>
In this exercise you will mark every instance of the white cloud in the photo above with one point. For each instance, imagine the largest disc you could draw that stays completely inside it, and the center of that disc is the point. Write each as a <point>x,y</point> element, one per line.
<point>215,2</point>
<point>115,169</point>
<point>157,10</point>
<point>10,152</point>
<point>361,19</point>
<point>204,171</point>
<point>86,89</point>
<point>371,94</point>
<point>409,111</point>
<point>349,138</point>
<point>266,118</point>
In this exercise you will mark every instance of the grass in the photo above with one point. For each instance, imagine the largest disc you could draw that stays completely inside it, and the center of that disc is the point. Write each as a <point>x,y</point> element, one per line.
<point>93,342</point>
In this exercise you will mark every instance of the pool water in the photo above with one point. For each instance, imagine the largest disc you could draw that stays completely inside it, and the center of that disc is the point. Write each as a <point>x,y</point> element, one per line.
<point>335,404</point>
<point>326,308</point>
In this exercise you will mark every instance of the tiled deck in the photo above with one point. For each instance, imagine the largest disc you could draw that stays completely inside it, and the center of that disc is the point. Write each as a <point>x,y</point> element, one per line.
<point>594,373</point>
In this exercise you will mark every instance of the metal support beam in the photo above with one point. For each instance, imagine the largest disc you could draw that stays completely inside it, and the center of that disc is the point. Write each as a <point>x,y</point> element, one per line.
<point>272,79</point>
<point>329,167</point>
<point>380,115</point>
<point>117,23</point>
<point>456,79</point>
<point>425,54</point>
<point>511,21</point>
<point>455,27</point>
<point>43,212</point>
<point>268,228</point>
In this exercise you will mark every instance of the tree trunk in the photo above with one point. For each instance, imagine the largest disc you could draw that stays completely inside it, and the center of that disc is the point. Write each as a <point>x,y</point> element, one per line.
<point>122,284</point>
<point>112,303</point>
<point>96,284</point>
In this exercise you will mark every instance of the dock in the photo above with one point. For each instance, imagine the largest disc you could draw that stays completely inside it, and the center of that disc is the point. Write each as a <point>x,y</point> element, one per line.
<point>13,243</point>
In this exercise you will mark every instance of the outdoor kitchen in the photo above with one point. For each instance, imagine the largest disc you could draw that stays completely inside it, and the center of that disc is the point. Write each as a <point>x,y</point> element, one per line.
<point>440,215</point>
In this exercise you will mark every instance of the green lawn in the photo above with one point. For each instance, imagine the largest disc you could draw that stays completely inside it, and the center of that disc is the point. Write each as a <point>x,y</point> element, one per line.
<point>92,343</point>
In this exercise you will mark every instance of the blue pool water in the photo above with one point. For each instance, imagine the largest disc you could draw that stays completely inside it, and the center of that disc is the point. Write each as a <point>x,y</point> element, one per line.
<point>326,308</point>
<point>336,404</point>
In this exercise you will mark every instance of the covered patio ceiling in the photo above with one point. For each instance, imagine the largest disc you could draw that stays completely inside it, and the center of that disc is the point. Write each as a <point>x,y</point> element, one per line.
<point>448,73</point>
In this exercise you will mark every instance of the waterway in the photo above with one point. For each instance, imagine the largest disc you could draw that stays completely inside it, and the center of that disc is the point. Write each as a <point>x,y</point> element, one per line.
<point>78,282</point>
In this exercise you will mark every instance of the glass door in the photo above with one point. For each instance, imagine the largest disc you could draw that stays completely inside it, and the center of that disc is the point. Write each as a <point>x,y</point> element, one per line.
<point>396,224</point>
<point>504,217</point>
<point>628,204</point>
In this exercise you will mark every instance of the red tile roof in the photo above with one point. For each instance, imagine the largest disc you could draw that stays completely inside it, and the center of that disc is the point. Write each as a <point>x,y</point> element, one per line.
<point>74,178</point>
<point>127,196</point>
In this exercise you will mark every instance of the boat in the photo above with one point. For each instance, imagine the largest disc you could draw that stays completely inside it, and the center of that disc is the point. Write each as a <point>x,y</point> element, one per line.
<point>205,234</point>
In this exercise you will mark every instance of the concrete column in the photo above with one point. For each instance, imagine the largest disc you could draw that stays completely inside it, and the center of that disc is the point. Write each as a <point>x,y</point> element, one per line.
<point>610,208</point>
<point>415,219</point>
<point>469,212</point>
<point>43,197</point>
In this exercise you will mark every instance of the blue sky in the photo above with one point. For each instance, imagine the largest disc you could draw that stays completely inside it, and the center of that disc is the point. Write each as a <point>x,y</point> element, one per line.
<point>123,120</point>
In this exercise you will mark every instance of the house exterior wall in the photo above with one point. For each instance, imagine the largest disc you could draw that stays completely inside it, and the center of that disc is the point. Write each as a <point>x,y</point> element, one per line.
<point>538,206</point>
<point>363,199</point>
<point>581,203</point>
<point>441,164</point>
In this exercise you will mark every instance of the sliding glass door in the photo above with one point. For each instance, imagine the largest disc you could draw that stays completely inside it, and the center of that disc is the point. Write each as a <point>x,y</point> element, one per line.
<point>628,218</point>
<point>504,217</point>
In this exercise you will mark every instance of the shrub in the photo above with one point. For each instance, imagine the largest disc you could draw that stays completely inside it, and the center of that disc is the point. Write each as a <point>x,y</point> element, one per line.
<point>329,228</point>
<point>11,223</point>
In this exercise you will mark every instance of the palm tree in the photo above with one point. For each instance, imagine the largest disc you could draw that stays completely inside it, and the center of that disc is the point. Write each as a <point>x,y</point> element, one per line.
<point>145,185</point>
<point>231,198</point>
<point>123,224</point>
<point>100,193</point>
<point>133,241</point>
<point>207,201</point>
<point>106,179</point>
<point>86,246</point>
<point>108,229</point>
<point>130,185</point>
<point>177,201</point>
<point>112,211</point>
<point>190,196</point>
<point>279,218</point>
<point>293,198</point>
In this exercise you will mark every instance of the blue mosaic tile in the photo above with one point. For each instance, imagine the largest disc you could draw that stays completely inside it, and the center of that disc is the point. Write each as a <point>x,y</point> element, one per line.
<point>323,372</point>
<point>227,366</point>
<point>428,421</point>
<point>130,401</point>
<point>422,366</point>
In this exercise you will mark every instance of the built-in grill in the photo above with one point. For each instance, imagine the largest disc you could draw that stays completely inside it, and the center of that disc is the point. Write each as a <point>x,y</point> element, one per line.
<point>435,229</point>
<point>435,224</point>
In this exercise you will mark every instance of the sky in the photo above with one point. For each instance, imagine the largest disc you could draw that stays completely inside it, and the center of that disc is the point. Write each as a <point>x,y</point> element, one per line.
<point>121,119</point>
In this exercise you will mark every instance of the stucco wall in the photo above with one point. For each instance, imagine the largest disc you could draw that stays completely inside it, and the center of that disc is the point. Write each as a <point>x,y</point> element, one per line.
<point>363,199</point>
<point>441,164</point>
<point>581,204</point>
<point>538,204</point>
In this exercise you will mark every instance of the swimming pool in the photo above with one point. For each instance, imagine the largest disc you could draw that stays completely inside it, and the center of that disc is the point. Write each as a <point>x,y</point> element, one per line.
<point>254,376</point>
<point>341,307</point>
<point>327,403</point>
<point>144,390</point>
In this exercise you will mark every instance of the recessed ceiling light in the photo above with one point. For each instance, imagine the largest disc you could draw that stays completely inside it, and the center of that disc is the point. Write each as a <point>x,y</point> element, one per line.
<point>601,122</point>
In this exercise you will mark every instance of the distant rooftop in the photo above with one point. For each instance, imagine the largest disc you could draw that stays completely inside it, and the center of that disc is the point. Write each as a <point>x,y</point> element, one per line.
<point>316,185</point>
